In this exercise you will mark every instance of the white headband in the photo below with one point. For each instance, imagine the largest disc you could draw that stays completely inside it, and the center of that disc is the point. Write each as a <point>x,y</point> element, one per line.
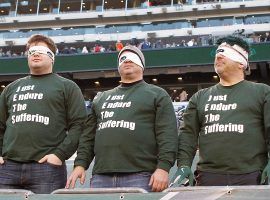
<point>235,53</point>
<point>42,50</point>
<point>127,55</point>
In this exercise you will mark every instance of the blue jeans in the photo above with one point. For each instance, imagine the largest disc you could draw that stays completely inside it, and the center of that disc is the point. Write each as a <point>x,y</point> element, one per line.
<point>138,179</point>
<point>39,178</point>
<point>215,179</point>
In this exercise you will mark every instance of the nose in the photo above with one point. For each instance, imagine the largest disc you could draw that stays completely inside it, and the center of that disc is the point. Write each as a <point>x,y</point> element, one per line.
<point>219,56</point>
<point>127,61</point>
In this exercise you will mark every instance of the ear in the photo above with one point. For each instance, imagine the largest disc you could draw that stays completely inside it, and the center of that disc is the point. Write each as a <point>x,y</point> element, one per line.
<point>241,66</point>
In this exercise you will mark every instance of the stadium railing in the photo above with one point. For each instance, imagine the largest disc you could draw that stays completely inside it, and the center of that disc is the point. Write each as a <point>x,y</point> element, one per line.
<point>100,190</point>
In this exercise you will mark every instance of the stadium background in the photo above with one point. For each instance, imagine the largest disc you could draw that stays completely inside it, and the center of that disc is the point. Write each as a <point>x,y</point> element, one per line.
<point>176,37</point>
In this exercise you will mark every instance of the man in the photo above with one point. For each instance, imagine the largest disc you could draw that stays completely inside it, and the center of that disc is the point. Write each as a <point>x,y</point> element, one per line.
<point>41,120</point>
<point>131,132</point>
<point>229,123</point>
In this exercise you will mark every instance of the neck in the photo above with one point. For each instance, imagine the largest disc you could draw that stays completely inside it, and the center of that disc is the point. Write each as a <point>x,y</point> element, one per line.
<point>230,81</point>
<point>130,80</point>
<point>130,84</point>
<point>40,72</point>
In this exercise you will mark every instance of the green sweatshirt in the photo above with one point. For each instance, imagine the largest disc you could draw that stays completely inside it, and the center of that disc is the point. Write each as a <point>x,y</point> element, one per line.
<point>130,129</point>
<point>40,115</point>
<point>231,127</point>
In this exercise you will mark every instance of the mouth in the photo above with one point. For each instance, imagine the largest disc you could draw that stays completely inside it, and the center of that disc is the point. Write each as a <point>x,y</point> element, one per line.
<point>36,60</point>
<point>219,63</point>
<point>127,67</point>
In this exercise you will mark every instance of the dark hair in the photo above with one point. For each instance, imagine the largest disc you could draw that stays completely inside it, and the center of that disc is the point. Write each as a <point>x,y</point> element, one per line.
<point>232,40</point>
<point>34,39</point>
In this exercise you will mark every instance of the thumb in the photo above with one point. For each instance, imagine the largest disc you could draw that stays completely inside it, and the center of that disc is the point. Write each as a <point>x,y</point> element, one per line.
<point>1,160</point>
<point>44,159</point>
<point>151,180</point>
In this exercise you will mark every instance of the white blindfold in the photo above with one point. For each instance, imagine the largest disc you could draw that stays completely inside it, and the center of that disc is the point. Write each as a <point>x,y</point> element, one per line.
<point>129,56</point>
<point>41,50</point>
<point>235,53</point>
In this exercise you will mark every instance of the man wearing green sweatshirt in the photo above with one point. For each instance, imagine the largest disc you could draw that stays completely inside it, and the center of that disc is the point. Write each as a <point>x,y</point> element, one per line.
<point>229,123</point>
<point>41,120</point>
<point>131,132</point>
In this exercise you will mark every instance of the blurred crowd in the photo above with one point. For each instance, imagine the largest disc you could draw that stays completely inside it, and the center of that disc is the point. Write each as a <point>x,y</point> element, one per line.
<point>100,47</point>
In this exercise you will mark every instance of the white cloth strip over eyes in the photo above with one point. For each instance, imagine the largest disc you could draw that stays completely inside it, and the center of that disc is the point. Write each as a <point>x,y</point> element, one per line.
<point>235,53</point>
<point>42,50</point>
<point>130,56</point>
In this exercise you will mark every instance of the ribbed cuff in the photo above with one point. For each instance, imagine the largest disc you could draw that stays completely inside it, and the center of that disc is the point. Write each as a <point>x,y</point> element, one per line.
<point>164,165</point>
<point>81,163</point>
<point>60,155</point>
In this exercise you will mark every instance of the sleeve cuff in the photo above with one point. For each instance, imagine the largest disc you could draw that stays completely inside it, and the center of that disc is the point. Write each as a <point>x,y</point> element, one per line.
<point>81,163</point>
<point>164,165</point>
<point>60,155</point>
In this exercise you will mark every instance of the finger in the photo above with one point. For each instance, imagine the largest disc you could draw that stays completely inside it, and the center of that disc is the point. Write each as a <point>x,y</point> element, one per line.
<point>155,185</point>
<point>68,183</point>
<point>73,181</point>
<point>1,160</point>
<point>82,179</point>
<point>163,187</point>
<point>42,160</point>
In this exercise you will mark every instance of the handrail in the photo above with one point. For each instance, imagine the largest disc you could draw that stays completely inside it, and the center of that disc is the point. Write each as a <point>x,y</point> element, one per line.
<point>100,190</point>
<point>15,191</point>
<point>218,188</point>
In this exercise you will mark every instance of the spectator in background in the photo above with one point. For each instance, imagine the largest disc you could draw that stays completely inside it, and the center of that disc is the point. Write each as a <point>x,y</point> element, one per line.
<point>145,44</point>
<point>72,50</point>
<point>96,48</point>
<point>78,50</point>
<point>191,42</point>
<point>158,44</point>
<point>266,37</point>
<point>102,49</point>
<point>8,53</point>
<point>210,40</point>
<point>183,95</point>
<point>146,4</point>
<point>231,131</point>
<point>134,42</point>
<point>183,43</point>
<point>119,45</point>
<point>41,120</point>
<point>84,50</point>
<point>65,50</point>
<point>111,48</point>
<point>131,132</point>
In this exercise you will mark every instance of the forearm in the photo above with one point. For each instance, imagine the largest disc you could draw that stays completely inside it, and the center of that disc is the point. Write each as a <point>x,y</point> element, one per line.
<point>75,117</point>
<point>166,135</point>
<point>188,137</point>
<point>70,144</point>
<point>85,152</point>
